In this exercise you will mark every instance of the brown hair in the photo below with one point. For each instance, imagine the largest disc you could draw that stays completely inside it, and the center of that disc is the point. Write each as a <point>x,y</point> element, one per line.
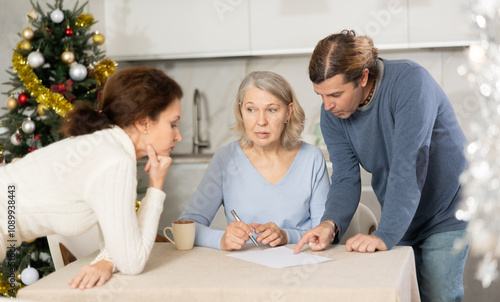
<point>346,54</point>
<point>281,89</point>
<point>129,95</point>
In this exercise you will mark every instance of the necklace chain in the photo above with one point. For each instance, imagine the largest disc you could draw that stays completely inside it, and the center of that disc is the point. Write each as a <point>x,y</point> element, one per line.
<point>369,97</point>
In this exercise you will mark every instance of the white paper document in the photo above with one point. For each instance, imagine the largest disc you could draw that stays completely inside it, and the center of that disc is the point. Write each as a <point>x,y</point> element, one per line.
<point>279,257</point>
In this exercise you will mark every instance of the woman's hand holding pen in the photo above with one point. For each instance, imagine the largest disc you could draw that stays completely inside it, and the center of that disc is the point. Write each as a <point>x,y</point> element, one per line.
<point>270,233</point>
<point>236,235</point>
<point>157,168</point>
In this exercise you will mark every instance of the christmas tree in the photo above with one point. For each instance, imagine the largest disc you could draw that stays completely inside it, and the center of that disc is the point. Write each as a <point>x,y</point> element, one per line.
<point>56,63</point>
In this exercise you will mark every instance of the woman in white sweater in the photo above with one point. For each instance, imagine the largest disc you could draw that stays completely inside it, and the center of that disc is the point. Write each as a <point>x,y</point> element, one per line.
<point>90,178</point>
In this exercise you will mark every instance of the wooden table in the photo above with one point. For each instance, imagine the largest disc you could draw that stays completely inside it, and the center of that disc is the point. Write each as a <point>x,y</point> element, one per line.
<point>204,274</point>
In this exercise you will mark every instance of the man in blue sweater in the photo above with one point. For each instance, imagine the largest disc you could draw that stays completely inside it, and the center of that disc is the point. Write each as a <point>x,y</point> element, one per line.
<point>393,119</point>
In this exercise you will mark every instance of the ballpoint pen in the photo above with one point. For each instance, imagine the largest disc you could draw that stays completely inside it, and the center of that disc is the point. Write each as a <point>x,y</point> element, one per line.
<point>238,218</point>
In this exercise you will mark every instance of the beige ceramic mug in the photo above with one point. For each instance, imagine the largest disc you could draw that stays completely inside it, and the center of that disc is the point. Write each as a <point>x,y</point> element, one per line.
<point>183,231</point>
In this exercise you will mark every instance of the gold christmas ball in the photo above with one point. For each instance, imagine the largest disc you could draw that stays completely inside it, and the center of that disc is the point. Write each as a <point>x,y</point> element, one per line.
<point>41,109</point>
<point>18,276</point>
<point>98,38</point>
<point>11,103</point>
<point>32,15</point>
<point>68,57</point>
<point>25,45</point>
<point>27,33</point>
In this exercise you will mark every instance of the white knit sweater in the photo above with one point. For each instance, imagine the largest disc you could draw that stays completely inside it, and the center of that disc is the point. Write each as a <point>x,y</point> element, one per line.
<point>69,186</point>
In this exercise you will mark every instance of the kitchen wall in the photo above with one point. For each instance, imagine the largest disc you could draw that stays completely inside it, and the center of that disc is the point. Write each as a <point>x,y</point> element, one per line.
<point>218,80</point>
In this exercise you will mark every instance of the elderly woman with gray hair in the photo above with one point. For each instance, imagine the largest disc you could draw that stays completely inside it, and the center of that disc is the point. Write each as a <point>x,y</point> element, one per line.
<point>275,182</point>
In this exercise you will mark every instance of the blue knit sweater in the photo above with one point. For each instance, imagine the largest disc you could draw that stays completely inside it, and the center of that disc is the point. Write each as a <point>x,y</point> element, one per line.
<point>295,204</point>
<point>409,139</point>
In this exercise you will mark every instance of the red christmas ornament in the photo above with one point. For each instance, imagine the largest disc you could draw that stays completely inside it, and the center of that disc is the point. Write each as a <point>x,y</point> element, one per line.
<point>68,32</point>
<point>37,137</point>
<point>23,98</point>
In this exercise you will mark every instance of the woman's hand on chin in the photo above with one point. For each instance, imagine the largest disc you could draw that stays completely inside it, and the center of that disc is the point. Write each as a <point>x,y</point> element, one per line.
<point>157,168</point>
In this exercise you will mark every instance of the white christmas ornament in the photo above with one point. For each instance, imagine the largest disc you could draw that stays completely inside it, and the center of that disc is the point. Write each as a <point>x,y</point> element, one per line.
<point>35,59</point>
<point>28,126</point>
<point>57,16</point>
<point>78,72</point>
<point>14,139</point>
<point>29,275</point>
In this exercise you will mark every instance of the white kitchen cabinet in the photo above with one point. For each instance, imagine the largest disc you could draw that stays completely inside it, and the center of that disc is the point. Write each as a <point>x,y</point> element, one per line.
<point>156,29</point>
<point>439,22</point>
<point>173,29</point>
<point>296,26</point>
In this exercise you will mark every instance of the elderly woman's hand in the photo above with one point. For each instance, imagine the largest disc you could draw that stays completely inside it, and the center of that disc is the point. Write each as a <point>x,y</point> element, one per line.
<point>157,168</point>
<point>236,235</point>
<point>270,233</point>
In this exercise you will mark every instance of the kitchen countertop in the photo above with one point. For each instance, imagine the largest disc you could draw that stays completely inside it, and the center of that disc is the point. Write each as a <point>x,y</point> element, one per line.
<point>179,159</point>
<point>191,158</point>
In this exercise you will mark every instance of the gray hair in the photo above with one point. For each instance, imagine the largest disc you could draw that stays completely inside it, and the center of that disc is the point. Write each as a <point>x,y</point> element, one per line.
<point>280,88</point>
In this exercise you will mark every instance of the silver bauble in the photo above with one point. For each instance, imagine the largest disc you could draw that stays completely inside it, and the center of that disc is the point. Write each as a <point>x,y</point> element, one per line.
<point>78,72</point>
<point>35,59</point>
<point>28,126</point>
<point>57,16</point>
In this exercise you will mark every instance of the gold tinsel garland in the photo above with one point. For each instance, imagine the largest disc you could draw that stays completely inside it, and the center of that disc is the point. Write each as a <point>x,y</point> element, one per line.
<point>7,289</point>
<point>34,85</point>
<point>84,20</point>
<point>103,70</point>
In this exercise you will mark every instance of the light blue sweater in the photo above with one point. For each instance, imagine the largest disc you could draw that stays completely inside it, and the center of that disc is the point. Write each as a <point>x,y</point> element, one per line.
<point>408,137</point>
<point>295,204</point>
